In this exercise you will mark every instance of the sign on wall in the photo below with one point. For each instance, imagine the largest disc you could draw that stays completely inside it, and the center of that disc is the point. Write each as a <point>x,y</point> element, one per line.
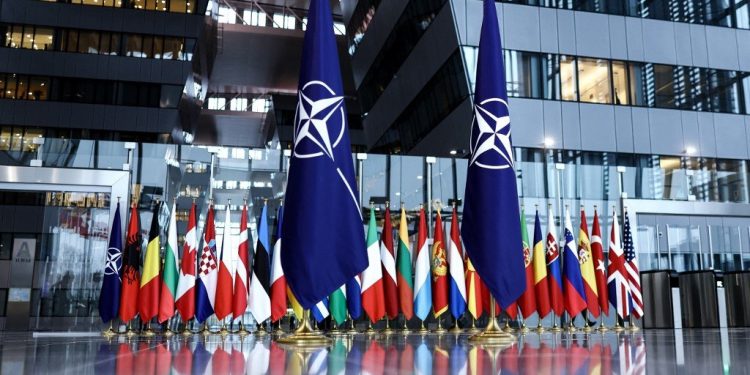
<point>22,262</point>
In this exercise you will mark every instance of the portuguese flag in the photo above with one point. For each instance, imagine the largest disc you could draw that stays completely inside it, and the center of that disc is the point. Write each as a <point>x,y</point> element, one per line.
<point>403,269</point>
<point>148,296</point>
<point>170,273</point>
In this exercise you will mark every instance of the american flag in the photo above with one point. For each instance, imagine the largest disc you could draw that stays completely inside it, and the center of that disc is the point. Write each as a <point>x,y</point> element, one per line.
<point>631,269</point>
<point>632,356</point>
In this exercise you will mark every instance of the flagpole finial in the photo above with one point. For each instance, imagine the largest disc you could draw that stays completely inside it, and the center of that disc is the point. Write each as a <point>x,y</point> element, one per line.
<point>281,201</point>
<point>402,205</point>
<point>594,207</point>
<point>372,203</point>
<point>118,199</point>
<point>454,204</point>
<point>194,200</point>
<point>265,201</point>
<point>387,204</point>
<point>582,207</point>
<point>549,205</point>
<point>229,202</point>
<point>536,206</point>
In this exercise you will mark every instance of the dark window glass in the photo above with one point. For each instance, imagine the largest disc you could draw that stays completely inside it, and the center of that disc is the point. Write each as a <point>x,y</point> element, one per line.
<point>134,46</point>
<point>3,301</point>
<point>105,92</point>
<point>551,76</point>
<point>172,48</point>
<point>10,86</point>
<point>170,96</point>
<point>659,83</point>
<point>71,41</point>
<point>88,42</point>
<point>724,89</point>
<point>3,81</point>
<point>148,47</point>
<point>128,94</point>
<point>746,91</point>
<point>38,88</point>
<point>522,72</point>
<point>158,47</point>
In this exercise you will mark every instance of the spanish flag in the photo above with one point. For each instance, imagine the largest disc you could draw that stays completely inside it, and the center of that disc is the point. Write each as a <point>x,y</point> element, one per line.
<point>148,296</point>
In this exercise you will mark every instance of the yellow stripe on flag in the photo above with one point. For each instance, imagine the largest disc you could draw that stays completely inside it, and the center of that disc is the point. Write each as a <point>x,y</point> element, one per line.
<point>151,263</point>
<point>296,307</point>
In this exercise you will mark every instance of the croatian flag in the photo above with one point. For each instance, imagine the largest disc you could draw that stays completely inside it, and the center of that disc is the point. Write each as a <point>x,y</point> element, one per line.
<point>491,229</point>
<point>207,272</point>
<point>318,256</point>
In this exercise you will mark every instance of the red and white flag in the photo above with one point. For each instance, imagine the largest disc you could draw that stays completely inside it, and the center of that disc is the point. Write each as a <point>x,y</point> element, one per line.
<point>225,283</point>
<point>278,280</point>
<point>185,296</point>
<point>239,301</point>
<point>388,260</point>
<point>617,284</point>
<point>631,269</point>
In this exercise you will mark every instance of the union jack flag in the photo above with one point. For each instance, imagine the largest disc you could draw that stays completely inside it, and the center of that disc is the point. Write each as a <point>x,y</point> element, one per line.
<point>617,283</point>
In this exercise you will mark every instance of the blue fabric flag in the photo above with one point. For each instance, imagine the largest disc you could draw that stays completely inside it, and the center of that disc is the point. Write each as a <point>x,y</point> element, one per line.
<point>491,229</point>
<point>354,297</point>
<point>320,310</point>
<point>323,245</point>
<point>109,296</point>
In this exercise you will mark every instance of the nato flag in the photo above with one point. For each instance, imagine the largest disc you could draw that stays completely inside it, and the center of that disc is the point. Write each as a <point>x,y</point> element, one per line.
<point>323,245</point>
<point>491,229</point>
<point>109,297</point>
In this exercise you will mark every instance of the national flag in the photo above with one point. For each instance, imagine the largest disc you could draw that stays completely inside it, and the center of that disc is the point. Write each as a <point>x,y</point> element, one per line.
<point>539,264</point>
<point>553,265</point>
<point>373,299</point>
<point>617,283</point>
<point>586,260</point>
<point>169,275</point>
<point>456,267</point>
<point>631,270</point>
<point>239,301</point>
<point>131,265</point>
<point>109,296</point>
<point>600,272</point>
<point>473,291</point>
<point>278,280</point>
<point>527,302</point>
<point>511,310</point>
<point>422,287</point>
<point>422,360</point>
<point>207,271</point>
<point>404,263</point>
<point>439,270</point>
<point>224,282</point>
<point>354,297</point>
<point>294,304</point>
<point>337,305</point>
<point>319,255</point>
<point>388,260</point>
<point>490,229</point>
<point>572,282</point>
<point>320,310</point>
<point>260,301</point>
<point>185,296</point>
<point>148,295</point>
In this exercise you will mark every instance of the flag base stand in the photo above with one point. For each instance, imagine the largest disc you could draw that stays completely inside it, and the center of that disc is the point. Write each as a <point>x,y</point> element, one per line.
<point>336,332</point>
<point>304,336</point>
<point>405,329</point>
<point>571,327</point>
<point>109,332</point>
<point>587,329</point>
<point>168,333</point>
<point>439,330</point>
<point>261,332</point>
<point>242,331</point>
<point>148,332</point>
<point>456,329</point>
<point>524,328</point>
<point>387,331</point>
<point>632,327</point>
<point>370,331</point>
<point>507,328</point>
<point>618,327</point>
<point>473,328</point>
<point>492,334</point>
<point>602,328</point>
<point>187,332</point>
<point>205,331</point>
<point>352,328</point>
<point>422,329</point>
<point>539,327</point>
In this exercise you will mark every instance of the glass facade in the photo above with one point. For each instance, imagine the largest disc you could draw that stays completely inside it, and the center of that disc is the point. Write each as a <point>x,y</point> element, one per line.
<point>359,22</point>
<point>728,13</point>
<point>91,91</point>
<point>97,42</point>
<point>174,6</point>
<point>573,78</point>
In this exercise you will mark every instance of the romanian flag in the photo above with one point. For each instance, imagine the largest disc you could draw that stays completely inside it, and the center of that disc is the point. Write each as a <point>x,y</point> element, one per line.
<point>539,264</point>
<point>587,267</point>
<point>148,296</point>
<point>527,302</point>
<point>405,283</point>
<point>131,264</point>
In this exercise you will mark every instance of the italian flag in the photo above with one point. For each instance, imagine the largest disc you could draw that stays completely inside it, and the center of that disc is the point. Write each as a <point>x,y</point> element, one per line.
<point>170,273</point>
<point>373,299</point>
<point>148,296</point>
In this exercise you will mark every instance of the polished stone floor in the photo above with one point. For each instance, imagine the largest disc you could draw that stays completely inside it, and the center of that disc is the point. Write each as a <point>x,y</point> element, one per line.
<point>651,351</point>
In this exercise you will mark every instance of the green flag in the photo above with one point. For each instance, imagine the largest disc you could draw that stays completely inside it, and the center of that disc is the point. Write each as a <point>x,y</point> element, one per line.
<point>404,283</point>
<point>337,305</point>
<point>170,273</point>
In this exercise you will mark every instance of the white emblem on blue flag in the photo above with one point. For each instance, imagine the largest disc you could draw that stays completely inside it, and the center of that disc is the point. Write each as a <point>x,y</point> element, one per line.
<point>491,148</point>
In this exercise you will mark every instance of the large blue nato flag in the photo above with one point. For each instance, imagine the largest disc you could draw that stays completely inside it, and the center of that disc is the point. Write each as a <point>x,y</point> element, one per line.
<point>323,245</point>
<point>491,227</point>
<point>109,297</point>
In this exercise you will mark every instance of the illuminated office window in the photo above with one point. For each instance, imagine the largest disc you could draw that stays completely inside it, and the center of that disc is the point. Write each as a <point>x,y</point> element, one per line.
<point>568,78</point>
<point>43,38</point>
<point>339,28</point>
<point>259,105</point>
<point>28,38</point>
<point>254,17</point>
<point>283,21</point>
<point>216,103</point>
<point>238,104</point>
<point>620,82</point>
<point>593,80</point>
<point>227,15</point>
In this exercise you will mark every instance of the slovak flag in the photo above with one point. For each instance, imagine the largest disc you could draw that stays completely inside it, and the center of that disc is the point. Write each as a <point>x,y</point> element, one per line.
<point>553,265</point>
<point>207,272</point>
<point>319,255</point>
<point>491,229</point>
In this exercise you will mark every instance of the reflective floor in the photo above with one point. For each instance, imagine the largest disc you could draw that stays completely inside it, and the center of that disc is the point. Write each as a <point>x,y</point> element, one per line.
<point>655,352</point>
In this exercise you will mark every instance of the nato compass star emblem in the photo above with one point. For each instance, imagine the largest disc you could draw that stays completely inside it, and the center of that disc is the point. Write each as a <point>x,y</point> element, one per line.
<point>112,258</point>
<point>316,106</point>
<point>490,147</point>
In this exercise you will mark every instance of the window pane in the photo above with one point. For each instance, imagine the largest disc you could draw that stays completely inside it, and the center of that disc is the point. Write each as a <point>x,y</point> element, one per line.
<point>373,177</point>
<point>724,90</point>
<point>551,76</point>
<point>10,87</point>
<point>148,46</point>
<point>226,15</point>
<point>28,37</point>
<point>2,85</point>
<point>172,48</point>
<point>177,6</point>
<point>620,82</point>
<point>15,37</point>
<point>38,88</point>
<point>254,17</point>
<point>43,38</point>
<point>88,42</point>
<point>568,78</point>
<point>746,90</point>
<point>660,85</point>
<point>134,46</point>
<point>522,74</point>
<point>593,80</point>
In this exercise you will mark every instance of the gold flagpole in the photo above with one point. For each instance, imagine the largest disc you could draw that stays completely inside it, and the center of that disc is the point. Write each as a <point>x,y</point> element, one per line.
<point>304,336</point>
<point>492,334</point>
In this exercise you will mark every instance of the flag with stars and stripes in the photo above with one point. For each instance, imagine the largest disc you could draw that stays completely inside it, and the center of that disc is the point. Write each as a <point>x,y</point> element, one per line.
<point>631,270</point>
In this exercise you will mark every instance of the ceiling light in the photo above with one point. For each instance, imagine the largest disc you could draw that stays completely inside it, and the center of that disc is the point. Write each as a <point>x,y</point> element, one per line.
<point>453,151</point>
